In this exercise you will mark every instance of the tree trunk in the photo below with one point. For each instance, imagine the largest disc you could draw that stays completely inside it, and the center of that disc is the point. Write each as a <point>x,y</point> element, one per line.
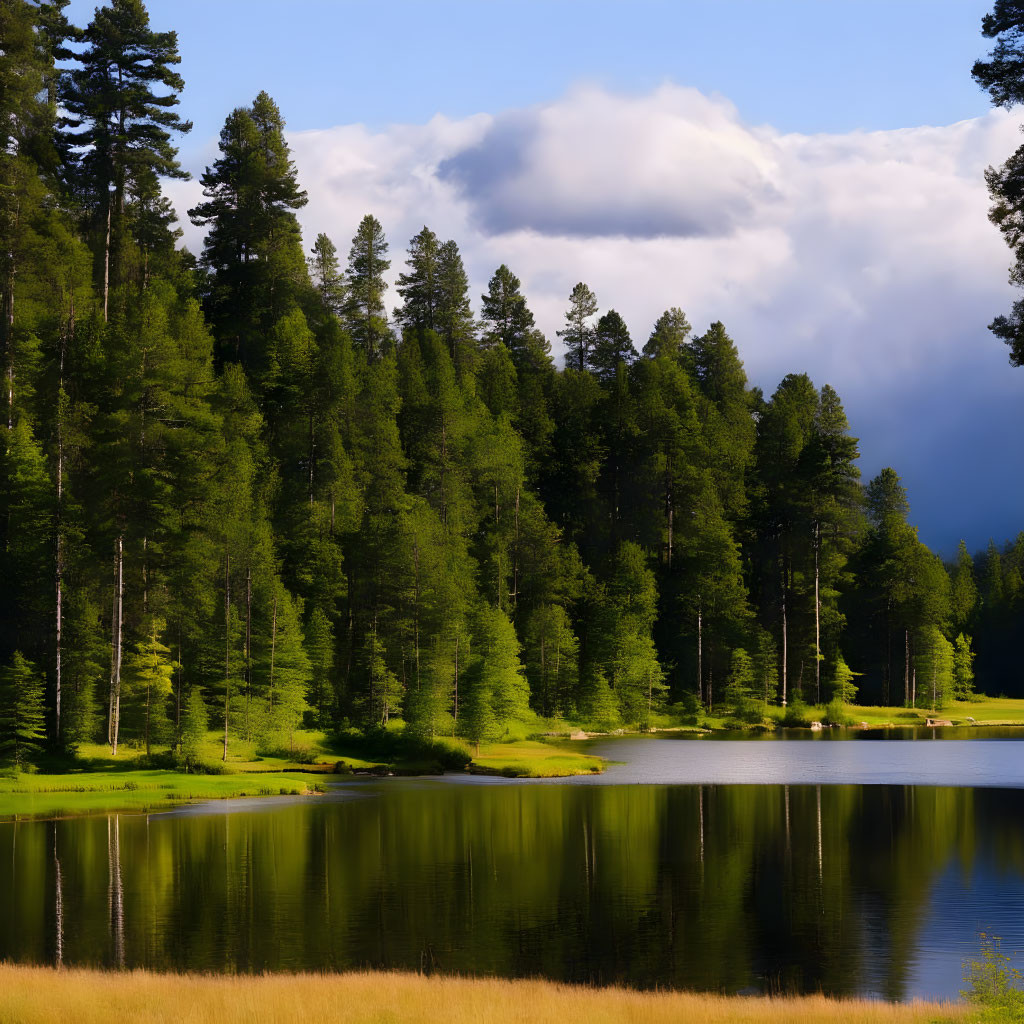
<point>227,647</point>
<point>114,721</point>
<point>515,561</point>
<point>455,714</point>
<point>7,320</point>
<point>906,667</point>
<point>817,615</point>
<point>273,645</point>
<point>785,643</point>
<point>64,335</point>
<point>700,649</point>
<point>248,649</point>
<point>106,258</point>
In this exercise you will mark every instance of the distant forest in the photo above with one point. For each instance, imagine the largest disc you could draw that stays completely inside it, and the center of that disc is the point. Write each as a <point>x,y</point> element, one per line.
<point>254,487</point>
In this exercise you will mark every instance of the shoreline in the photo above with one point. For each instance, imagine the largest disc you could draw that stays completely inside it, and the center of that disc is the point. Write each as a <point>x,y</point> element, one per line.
<point>32,995</point>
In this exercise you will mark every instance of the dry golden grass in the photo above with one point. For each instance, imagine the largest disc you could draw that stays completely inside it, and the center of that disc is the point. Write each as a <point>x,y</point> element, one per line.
<point>30,995</point>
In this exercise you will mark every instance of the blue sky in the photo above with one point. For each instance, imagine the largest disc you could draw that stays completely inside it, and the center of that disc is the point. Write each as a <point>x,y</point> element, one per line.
<point>761,162</point>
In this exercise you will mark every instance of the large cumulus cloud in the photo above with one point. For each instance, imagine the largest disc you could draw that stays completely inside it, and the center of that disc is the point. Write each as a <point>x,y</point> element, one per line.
<point>864,259</point>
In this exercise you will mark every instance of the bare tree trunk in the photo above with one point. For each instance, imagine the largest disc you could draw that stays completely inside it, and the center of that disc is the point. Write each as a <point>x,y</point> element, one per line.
<point>700,648</point>
<point>106,258</point>
<point>906,667</point>
<point>114,722</point>
<point>64,337</point>
<point>248,649</point>
<point>785,641</point>
<point>273,646</point>
<point>515,561</point>
<point>817,615</point>
<point>455,714</point>
<point>670,516</point>
<point>8,321</point>
<point>227,647</point>
<point>312,445</point>
<point>177,694</point>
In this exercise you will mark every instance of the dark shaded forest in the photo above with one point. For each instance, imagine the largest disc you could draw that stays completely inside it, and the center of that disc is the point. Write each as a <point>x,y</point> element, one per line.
<point>255,487</point>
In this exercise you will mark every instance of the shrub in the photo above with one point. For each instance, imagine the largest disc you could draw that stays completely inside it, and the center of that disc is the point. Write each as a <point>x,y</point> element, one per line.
<point>836,713</point>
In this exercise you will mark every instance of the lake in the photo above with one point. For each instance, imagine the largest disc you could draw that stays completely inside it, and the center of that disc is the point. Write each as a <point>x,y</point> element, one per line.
<point>698,863</point>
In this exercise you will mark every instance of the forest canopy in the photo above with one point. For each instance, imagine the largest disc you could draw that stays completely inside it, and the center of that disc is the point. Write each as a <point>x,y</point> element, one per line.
<point>254,487</point>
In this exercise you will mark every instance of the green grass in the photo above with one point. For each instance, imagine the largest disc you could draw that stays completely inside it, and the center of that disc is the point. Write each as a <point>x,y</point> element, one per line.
<point>95,792</point>
<point>985,711</point>
<point>534,759</point>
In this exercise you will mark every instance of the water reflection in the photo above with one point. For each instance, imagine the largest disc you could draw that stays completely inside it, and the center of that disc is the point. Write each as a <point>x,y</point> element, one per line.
<point>768,888</point>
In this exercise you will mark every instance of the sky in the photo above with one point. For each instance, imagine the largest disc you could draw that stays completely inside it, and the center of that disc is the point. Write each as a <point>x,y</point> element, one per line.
<point>809,172</point>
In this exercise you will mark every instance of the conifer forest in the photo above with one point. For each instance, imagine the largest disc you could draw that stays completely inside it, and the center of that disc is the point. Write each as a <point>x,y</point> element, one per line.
<point>254,488</point>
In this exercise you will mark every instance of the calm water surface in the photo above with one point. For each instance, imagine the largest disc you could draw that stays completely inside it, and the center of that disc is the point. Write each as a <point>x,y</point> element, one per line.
<point>735,867</point>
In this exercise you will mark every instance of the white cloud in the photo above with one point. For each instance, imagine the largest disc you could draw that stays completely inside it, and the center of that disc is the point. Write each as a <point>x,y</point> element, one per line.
<point>865,259</point>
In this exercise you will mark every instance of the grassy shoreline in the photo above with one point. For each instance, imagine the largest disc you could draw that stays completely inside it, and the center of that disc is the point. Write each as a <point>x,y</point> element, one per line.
<point>96,783</point>
<point>32,995</point>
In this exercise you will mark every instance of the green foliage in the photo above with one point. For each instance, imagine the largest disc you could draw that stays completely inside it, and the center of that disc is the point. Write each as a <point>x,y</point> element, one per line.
<point>740,693</point>
<point>993,983</point>
<point>963,668</point>
<point>836,713</point>
<point>147,686</point>
<point>194,723</point>
<point>318,519</point>
<point>21,710</point>
<point>843,687</point>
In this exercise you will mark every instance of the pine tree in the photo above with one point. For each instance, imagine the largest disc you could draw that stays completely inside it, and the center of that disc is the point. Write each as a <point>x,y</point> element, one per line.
<point>504,309</point>
<point>124,122</point>
<point>612,346</point>
<point>668,338</point>
<point>420,287</point>
<point>253,248</point>
<point>578,333</point>
<point>454,317</point>
<point>964,590</point>
<point>326,275</point>
<point>366,318</point>
<point>963,668</point>
<point>194,724</point>
<point>148,686</point>
<point>21,710</point>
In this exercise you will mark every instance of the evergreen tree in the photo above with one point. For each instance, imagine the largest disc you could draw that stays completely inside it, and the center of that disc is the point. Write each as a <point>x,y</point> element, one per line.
<point>365,315</point>
<point>578,333</point>
<point>504,310</point>
<point>668,338</point>
<point>963,589</point>
<point>326,275</point>
<point>420,287</point>
<point>21,710</point>
<point>963,668</point>
<point>453,315</point>
<point>194,724</point>
<point>253,248</point>
<point>121,99</point>
<point>1002,76</point>
<point>612,346</point>
<point>148,686</point>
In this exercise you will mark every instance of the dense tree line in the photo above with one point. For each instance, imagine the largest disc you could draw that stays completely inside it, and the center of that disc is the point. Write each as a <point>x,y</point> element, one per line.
<point>236,487</point>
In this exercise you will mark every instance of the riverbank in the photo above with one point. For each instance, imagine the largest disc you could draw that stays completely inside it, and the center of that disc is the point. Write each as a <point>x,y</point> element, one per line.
<point>31,796</point>
<point>96,783</point>
<point>33,995</point>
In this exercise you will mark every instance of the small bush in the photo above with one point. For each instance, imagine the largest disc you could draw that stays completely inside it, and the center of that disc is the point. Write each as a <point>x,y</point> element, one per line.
<point>993,982</point>
<point>797,715</point>
<point>390,746</point>
<point>836,713</point>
